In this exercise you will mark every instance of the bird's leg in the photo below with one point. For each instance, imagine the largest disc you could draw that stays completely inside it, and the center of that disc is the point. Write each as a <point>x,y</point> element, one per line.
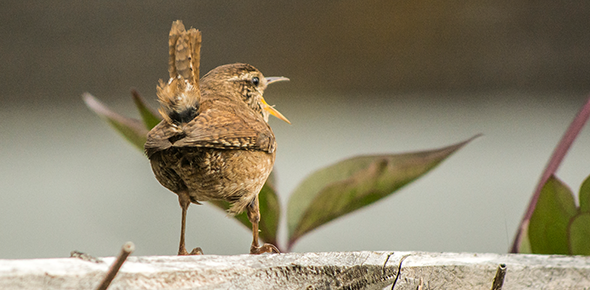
<point>253,211</point>
<point>185,201</point>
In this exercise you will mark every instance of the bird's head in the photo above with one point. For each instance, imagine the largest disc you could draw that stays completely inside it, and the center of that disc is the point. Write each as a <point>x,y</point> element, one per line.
<point>248,83</point>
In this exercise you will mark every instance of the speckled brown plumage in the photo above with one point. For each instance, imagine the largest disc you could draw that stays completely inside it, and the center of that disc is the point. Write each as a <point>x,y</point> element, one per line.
<point>214,142</point>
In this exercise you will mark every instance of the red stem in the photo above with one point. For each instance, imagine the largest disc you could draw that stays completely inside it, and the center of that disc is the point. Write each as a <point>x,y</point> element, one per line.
<point>560,151</point>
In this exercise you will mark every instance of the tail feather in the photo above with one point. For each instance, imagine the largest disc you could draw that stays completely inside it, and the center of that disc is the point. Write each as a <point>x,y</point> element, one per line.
<point>175,32</point>
<point>180,96</point>
<point>195,59</point>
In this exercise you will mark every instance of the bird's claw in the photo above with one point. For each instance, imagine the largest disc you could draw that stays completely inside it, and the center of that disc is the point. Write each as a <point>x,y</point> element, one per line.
<point>266,248</point>
<point>195,251</point>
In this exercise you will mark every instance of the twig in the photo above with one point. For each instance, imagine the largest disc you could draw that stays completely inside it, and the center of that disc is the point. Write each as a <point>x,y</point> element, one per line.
<point>420,285</point>
<point>499,279</point>
<point>127,249</point>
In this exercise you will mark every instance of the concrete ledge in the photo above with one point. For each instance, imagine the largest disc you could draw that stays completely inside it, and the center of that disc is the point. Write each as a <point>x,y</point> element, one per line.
<point>338,270</point>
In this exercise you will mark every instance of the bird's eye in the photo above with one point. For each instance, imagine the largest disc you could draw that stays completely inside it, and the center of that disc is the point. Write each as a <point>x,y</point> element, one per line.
<point>255,81</point>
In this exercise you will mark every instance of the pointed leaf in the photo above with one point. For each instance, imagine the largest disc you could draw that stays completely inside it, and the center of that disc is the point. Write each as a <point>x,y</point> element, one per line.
<point>585,195</point>
<point>579,235</point>
<point>354,183</point>
<point>132,129</point>
<point>549,222</point>
<point>270,212</point>
<point>150,117</point>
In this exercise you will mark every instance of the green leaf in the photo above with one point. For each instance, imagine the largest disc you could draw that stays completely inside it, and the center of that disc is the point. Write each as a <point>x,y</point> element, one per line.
<point>270,212</point>
<point>150,117</point>
<point>585,195</point>
<point>579,234</point>
<point>559,153</point>
<point>524,247</point>
<point>549,222</point>
<point>132,129</point>
<point>351,184</point>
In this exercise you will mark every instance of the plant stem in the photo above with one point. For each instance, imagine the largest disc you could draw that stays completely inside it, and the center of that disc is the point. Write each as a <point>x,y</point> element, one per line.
<point>558,154</point>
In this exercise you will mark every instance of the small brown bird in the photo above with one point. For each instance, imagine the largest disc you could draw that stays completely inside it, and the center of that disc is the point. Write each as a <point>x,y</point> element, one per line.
<point>214,142</point>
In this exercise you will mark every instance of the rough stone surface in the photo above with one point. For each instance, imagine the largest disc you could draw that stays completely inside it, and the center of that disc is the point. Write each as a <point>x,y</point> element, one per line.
<point>342,270</point>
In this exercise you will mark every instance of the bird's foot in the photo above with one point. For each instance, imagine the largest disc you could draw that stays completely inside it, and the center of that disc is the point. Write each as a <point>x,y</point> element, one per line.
<point>266,248</point>
<point>195,251</point>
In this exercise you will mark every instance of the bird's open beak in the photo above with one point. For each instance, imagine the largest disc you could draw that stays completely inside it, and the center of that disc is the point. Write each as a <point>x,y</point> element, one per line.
<point>270,80</point>
<point>270,108</point>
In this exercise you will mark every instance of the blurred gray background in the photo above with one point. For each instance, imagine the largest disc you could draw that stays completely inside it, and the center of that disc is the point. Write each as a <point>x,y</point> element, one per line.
<point>366,77</point>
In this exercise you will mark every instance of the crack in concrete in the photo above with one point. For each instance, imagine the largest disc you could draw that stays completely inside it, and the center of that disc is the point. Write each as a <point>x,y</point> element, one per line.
<point>399,270</point>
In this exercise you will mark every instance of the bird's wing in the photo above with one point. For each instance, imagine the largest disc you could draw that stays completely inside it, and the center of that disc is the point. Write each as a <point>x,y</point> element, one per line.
<point>158,138</point>
<point>221,127</point>
<point>228,127</point>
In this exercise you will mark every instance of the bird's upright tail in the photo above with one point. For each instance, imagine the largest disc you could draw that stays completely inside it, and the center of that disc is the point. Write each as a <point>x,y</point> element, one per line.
<point>180,96</point>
